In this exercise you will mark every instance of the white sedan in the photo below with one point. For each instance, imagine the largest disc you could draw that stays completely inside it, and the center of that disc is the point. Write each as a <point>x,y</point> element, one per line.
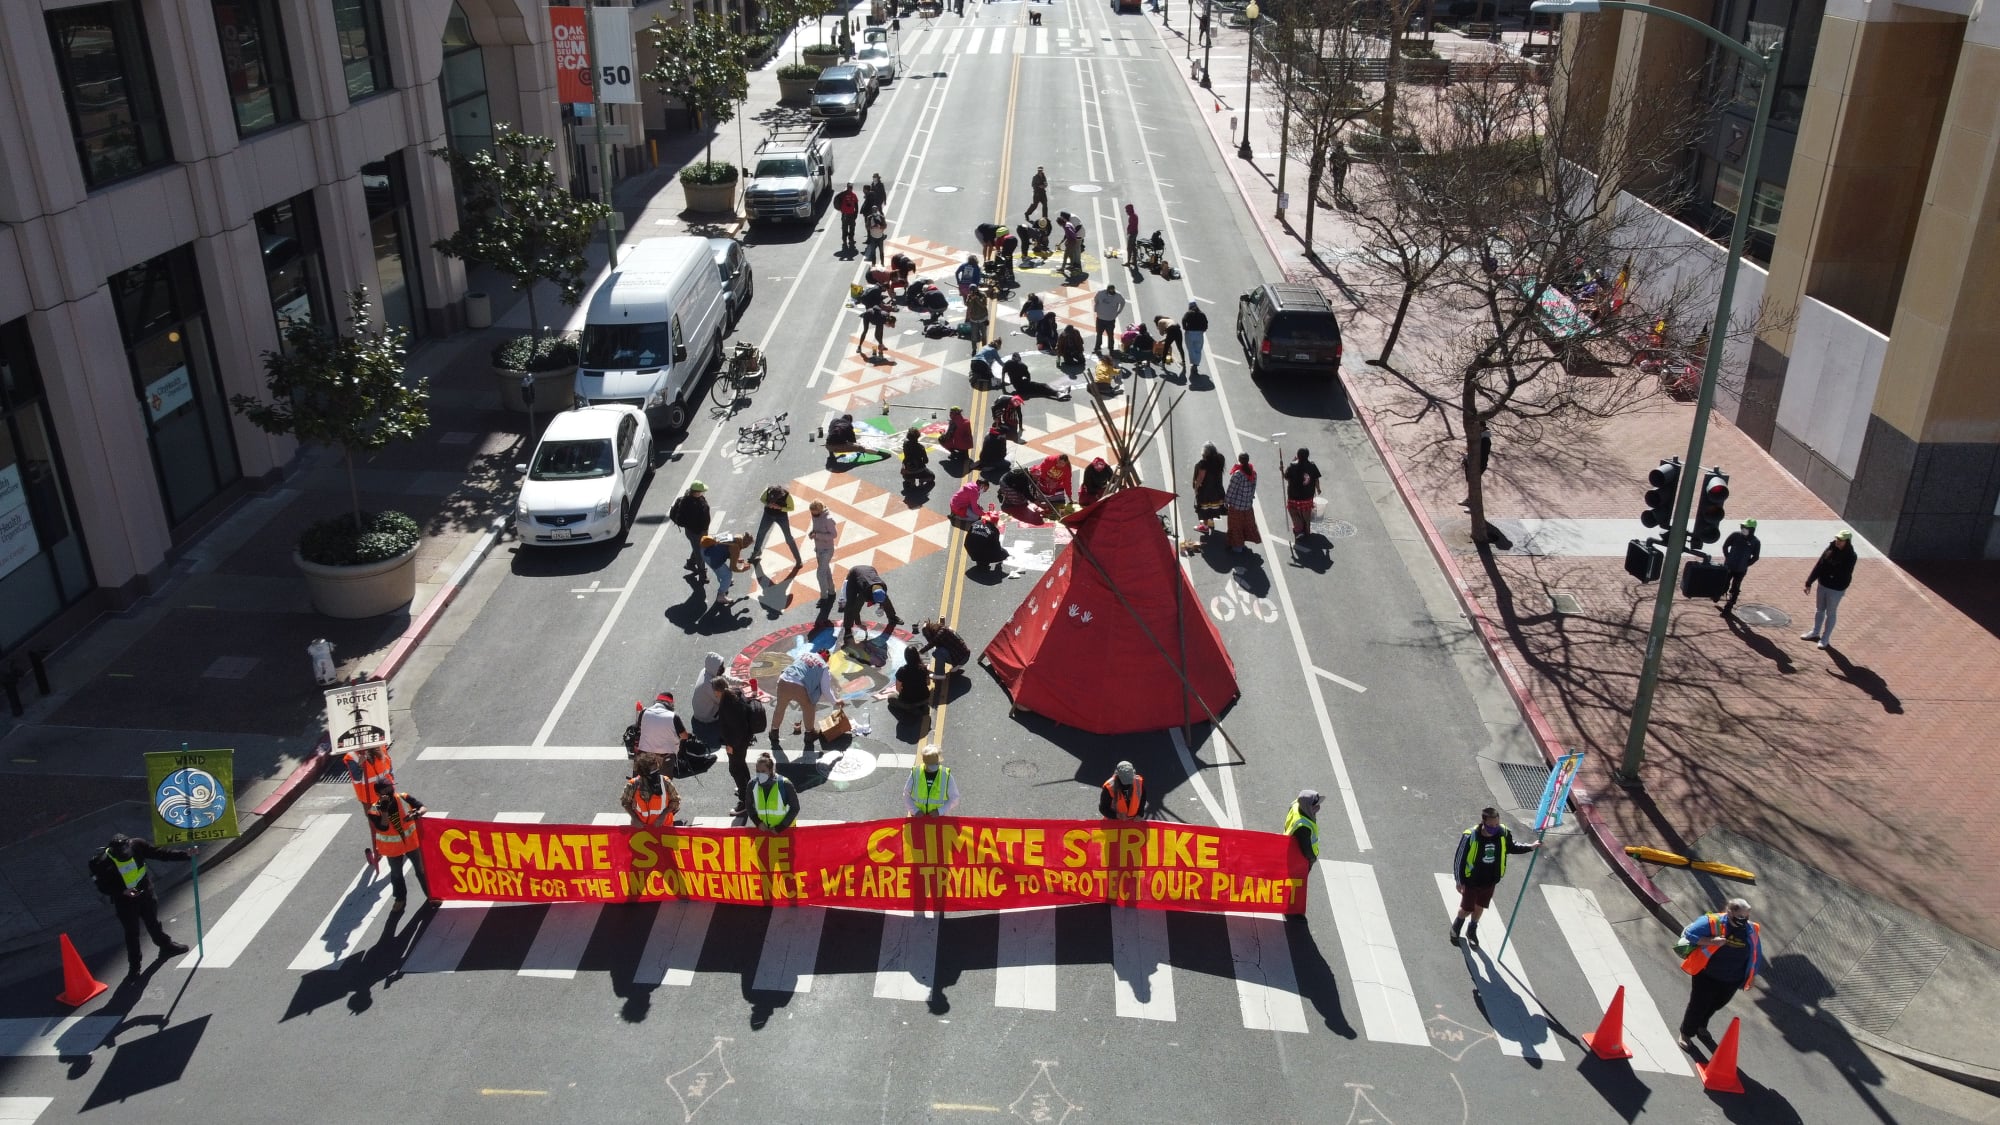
<point>882,59</point>
<point>582,485</point>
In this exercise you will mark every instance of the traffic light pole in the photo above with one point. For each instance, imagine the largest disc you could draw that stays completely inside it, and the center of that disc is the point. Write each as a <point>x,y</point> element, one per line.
<point>1627,773</point>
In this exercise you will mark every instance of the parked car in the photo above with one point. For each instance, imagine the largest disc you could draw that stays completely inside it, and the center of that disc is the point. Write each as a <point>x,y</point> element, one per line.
<point>842,94</point>
<point>872,74</point>
<point>882,58</point>
<point>793,172</point>
<point>583,483</point>
<point>732,265</point>
<point>1288,328</point>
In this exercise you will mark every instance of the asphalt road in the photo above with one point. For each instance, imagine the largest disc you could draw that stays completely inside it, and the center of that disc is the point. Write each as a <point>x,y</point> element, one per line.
<point>1359,678</point>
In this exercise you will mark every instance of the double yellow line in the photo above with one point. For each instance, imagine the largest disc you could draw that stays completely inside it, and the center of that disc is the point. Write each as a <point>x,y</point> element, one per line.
<point>953,598</point>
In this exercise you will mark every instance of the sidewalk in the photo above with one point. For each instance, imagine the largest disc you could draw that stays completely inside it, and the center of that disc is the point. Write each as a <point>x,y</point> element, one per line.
<point>217,658</point>
<point>1853,778</point>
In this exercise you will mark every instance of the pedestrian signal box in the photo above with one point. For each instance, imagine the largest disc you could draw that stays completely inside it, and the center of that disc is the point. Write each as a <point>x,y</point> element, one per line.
<point>1703,579</point>
<point>1644,559</point>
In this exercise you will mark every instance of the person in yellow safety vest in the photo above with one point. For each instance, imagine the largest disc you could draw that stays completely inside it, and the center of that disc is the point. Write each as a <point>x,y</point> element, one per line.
<point>365,767</point>
<point>121,876</point>
<point>1723,951</point>
<point>394,821</point>
<point>930,791</point>
<point>1477,867</point>
<point>774,804</point>
<point>1302,822</point>
<point>650,797</point>
<point>1124,794</point>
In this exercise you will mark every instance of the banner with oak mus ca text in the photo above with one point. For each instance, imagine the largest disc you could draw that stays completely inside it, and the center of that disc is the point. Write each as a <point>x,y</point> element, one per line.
<point>931,863</point>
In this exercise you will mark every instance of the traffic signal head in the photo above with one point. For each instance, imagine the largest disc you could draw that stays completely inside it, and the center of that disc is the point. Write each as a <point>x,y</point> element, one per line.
<point>1709,507</point>
<point>1666,482</point>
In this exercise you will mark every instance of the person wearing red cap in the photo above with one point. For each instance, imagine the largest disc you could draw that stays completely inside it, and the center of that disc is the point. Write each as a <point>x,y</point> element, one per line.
<point>660,729</point>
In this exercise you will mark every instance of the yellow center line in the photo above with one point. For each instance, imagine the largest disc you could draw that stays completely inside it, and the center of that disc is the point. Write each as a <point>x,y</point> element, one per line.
<point>953,598</point>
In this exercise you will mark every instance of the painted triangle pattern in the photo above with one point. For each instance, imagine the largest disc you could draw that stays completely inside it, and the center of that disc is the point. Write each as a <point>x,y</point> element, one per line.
<point>877,528</point>
<point>1071,429</point>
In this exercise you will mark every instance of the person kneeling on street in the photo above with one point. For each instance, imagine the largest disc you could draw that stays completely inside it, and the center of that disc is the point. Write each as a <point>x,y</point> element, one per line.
<point>840,437</point>
<point>649,797</point>
<point>913,686</point>
<point>916,460</point>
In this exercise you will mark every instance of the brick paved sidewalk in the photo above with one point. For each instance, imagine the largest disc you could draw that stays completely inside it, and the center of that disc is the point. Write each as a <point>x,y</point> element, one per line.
<point>1863,761</point>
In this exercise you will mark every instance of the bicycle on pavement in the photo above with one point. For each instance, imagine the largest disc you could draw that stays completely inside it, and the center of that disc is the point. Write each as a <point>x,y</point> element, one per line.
<point>747,365</point>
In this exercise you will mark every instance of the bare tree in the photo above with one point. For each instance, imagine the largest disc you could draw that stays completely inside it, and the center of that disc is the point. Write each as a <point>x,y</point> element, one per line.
<point>1552,292</point>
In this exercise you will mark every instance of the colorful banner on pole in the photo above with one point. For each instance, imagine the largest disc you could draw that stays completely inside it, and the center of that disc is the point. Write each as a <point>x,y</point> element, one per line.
<point>933,863</point>
<point>193,794</point>
<point>1555,791</point>
<point>571,40</point>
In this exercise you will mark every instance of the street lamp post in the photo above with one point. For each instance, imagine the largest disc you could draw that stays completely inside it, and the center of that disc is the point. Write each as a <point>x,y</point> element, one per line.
<point>1649,676</point>
<point>1249,67</point>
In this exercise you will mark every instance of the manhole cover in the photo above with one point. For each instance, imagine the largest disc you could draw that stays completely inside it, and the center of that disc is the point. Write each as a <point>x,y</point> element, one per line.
<point>1754,613</point>
<point>944,189</point>
<point>1085,188</point>
<point>1339,529</point>
<point>849,769</point>
<point>1564,602</point>
<point>1019,767</point>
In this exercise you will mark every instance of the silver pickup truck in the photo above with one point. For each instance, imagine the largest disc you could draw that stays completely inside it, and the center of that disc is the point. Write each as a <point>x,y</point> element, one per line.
<point>791,171</point>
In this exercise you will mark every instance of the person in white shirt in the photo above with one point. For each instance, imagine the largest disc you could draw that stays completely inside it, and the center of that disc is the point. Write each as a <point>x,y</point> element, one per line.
<point>808,682</point>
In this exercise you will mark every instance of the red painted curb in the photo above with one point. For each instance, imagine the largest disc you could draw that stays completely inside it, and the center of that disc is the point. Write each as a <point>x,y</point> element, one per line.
<point>1600,834</point>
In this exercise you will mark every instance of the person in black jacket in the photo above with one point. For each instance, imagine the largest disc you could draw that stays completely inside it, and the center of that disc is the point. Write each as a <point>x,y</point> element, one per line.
<point>1739,553</point>
<point>1194,333</point>
<point>690,514</point>
<point>121,875</point>
<point>865,587</point>
<point>732,718</point>
<point>1833,571</point>
<point>952,653</point>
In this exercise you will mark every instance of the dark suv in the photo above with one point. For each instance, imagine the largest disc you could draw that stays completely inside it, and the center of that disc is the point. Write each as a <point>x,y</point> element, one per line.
<point>1288,328</point>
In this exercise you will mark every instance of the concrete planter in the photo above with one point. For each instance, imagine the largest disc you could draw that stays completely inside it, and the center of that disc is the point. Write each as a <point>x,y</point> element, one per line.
<point>795,91</point>
<point>710,199</point>
<point>554,390</point>
<point>822,61</point>
<point>368,590</point>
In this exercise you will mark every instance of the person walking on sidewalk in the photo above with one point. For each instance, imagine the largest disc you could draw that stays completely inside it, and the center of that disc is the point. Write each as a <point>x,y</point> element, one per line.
<point>778,506</point>
<point>121,875</point>
<point>825,536</point>
<point>877,226</point>
<point>1301,489</point>
<point>1722,951</point>
<point>690,514</point>
<point>773,801</point>
<point>849,205</point>
<point>1194,327</point>
<point>1240,499</point>
<point>1739,553</point>
<point>930,791</point>
<point>1039,185</point>
<point>1336,165</point>
<point>1833,572</point>
<point>1131,237</point>
<point>394,822</point>
<point>1477,867</point>
<point>1124,796</point>
<point>1106,306</point>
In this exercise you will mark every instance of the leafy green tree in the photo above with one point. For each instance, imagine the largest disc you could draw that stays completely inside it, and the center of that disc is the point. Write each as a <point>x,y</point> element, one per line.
<point>346,390</point>
<point>519,219</point>
<point>701,63</point>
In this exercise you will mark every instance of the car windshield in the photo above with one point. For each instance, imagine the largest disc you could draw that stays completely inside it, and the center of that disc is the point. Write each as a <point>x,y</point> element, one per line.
<point>874,35</point>
<point>835,86</point>
<point>626,346</point>
<point>571,460</point>
<point>785,166</point>
<point>874,54</point>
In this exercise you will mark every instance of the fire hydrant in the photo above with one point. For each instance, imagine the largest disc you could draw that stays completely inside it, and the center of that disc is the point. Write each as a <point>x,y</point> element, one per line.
<point>321,652</point>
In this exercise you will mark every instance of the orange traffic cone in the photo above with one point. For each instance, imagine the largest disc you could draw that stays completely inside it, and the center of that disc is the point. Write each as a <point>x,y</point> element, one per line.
<point>78,985</point>
<point>1720,1073</point>
<point>1608,1041</point>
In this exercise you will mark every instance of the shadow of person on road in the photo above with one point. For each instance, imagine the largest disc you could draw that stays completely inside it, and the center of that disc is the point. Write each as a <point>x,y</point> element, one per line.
<point>1316,980</point>
<point>1760,644</point>
<point>1868,680</point>
<point>1795,1006</point>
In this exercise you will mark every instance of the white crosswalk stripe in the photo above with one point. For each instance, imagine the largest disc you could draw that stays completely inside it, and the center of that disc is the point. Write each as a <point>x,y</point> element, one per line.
<point>1025,967</point>
<point>906,963</point>
<point>673,946</point>
<point>1606,965</point>
<point>1382,991</point>
<point>999,42</point>
<point>566,930</point>
<point>451,930</point>
<point>1033,41</point>
<point>53,1036</point>
<point>1143,976</point>
<point>1504,992</point>
<point>1267,987</point>
<point>791,949</point>
<point>239,925</point>
<point>22,1111</point>
<point>352,916</point>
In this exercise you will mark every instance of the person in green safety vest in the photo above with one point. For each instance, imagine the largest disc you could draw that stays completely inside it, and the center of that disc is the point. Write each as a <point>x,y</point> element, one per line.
<point>120,874</point>
<point>1477,866</point>
<point>774,804</point>
<point>930,791</point>
<point>1302,823</point>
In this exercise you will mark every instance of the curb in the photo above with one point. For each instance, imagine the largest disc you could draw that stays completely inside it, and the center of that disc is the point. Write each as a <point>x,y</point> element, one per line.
<point>1607,845</point>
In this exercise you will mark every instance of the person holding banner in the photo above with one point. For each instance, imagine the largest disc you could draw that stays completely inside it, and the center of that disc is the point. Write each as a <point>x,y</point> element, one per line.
<point>120,873</point>
<point>650,798</point>
<point>1302,823</point>
<point>1477,867</point>
<point>774,803</point>
<point>930,791</point>
<point>1124,796</point>
<point>365,767</point>
<point>394,821</point>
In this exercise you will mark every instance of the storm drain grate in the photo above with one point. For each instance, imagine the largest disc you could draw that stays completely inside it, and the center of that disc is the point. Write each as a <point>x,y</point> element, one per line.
<point>1857,966</point>
<point>1565,602</point>
<point>1525,782</point>
<point>230,667</point>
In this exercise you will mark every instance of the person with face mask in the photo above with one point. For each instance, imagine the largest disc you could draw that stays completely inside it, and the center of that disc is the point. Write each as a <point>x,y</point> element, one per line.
<point>1722,951</point>
<point>1477,866</point>
<point>774,804</point>
<point>930,791</point>
<point>650,798</point>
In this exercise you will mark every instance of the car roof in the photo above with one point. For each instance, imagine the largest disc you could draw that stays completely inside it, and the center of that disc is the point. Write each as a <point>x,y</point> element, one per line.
<point>841,72</point>
<point>586,422</point>
<point>1298,298</point>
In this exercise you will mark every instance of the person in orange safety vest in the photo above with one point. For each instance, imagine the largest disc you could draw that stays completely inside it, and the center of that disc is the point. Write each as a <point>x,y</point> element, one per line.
<point>365,767</point>
<point>1124,794</point>
<point>394,821</point>
<point>650,797</point>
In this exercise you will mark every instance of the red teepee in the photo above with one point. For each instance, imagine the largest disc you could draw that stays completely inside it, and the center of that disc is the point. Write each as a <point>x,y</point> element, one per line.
<point>1113,639</point>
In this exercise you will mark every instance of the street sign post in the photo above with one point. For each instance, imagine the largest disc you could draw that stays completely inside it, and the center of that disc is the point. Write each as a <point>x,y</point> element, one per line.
<point>193,796</point>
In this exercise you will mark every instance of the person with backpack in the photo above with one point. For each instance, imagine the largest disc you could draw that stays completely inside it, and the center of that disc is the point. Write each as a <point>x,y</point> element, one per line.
<point>877,225</point>
<point>690,514</point>
<point>777,501</point>
<point>740,718</point>
<point>119,871</point>
<point>1301,489</point>
<point>649,797</point>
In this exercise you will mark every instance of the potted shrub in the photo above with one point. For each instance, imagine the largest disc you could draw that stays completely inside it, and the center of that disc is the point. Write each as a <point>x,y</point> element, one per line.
<point>757,49</point>
<point>549,360</point>
<point>347,390</point>
<point>710,187</point>
<point>822,55</point>
<point>521,221</point>
<point>795,82</point>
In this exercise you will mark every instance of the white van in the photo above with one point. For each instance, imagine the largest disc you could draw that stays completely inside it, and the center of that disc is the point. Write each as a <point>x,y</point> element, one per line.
<point>654,328</point>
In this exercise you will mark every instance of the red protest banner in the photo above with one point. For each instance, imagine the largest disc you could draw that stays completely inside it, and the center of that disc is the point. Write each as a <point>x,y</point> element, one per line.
<point>932,863</point>
<point>572,51</point>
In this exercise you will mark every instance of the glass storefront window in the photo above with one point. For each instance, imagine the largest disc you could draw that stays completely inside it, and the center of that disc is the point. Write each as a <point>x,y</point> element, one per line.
<point>253,61</point>
<point>288,232</point>
<point>161,315</point>
<point>364,56</point>
<point>462,85</point>
<point>43,568</point>
<point>400,292</point>
<point>106,70</point>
